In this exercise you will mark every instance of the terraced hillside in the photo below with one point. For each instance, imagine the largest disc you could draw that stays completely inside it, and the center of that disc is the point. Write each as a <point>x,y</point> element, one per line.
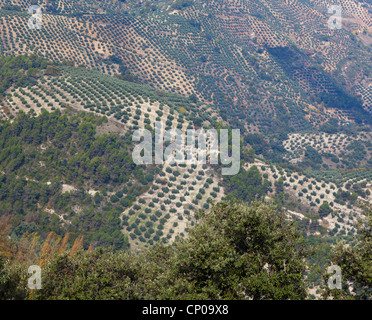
<point>306,193</point>
<point>271,67</point>
<point>267,65</point>
<point>161,203</point>
<point>73,93</point>
<point>166,199</point>
<point>331,150</point>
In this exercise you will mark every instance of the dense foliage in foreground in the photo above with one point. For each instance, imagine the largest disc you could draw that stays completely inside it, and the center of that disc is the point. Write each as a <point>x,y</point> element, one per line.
<point>235,252</point>
<point>356,265</point>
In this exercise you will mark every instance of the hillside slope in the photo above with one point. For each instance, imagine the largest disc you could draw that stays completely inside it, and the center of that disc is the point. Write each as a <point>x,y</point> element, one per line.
<point>265,64</point>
